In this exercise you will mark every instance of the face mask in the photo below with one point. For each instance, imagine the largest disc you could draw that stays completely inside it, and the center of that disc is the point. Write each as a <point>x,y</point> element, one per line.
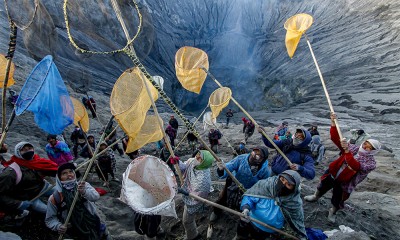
<point>28,155</point>
<point>297,141</point>
<point>69,184</point>
<point>281,189</point>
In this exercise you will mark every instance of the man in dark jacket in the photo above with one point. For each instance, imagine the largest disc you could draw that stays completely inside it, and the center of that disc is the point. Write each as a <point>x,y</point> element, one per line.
<point>298,152</point>
<point>228,115</point>
<point>22,180</point>
<point>173,122</point>
<point>213,137</point>
<point>78,139</point>
<point>86,153</point>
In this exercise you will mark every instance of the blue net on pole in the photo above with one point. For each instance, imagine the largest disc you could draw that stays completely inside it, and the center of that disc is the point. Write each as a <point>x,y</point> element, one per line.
<point>45,95</point>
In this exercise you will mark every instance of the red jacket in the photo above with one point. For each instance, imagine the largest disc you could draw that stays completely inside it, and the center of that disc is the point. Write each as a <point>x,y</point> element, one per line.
<point>350,164</point>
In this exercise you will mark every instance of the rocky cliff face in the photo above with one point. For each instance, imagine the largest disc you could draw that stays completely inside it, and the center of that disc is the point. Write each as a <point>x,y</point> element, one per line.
<point>356,44</point>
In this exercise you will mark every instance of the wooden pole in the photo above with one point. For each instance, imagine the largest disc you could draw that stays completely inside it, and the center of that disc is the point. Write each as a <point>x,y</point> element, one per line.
<point>83,179</point>
<point>324,86</point>
<point>194,125</point>
<point>91,152</point>
<point>4,133</point>
<point>131,53</point>
<point>10,55</point>
<point>98,154</point>
<point>239,214</point>
<point>252,119</point>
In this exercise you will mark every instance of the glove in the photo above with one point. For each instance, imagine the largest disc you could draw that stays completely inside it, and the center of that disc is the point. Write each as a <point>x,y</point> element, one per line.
<point>220,165</point>
<point>246,212</point>
<point>24,205</point>
<point>184,192</point>
<point>174,160</point>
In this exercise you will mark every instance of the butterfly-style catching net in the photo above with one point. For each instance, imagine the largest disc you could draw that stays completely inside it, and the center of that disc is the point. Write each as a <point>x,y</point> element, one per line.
<point>296,26</point>
<point>150,132</point>
<point>208,120</point>
<point>130,102</point>
<point>149,187</point>
<point>80,115</point>
<point>188,64</point>
<point>45,95</point>
<point>218,100</point>
<point>3,66</point>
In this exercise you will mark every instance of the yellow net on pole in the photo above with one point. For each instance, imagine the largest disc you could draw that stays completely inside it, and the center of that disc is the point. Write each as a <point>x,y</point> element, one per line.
<point>80,115</point>
<point>3,66</point>
<point>130,102</point>
<point>296,26</point>
<point>150,132</point>
<point>188,64</point>
<point>219,99</point>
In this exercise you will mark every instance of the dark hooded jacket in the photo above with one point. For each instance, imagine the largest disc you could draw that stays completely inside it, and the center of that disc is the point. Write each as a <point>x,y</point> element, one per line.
<point>300,155</point>
<point>291,205</point>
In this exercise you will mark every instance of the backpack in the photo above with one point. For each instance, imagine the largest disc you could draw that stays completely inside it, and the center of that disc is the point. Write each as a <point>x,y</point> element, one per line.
<point>17,170</point>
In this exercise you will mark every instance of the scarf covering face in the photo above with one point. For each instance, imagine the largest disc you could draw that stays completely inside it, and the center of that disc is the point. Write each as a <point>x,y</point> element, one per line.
<point>69,184</point>
<point>207,160</point>
<point>375,143</point>
<point>291,205</point>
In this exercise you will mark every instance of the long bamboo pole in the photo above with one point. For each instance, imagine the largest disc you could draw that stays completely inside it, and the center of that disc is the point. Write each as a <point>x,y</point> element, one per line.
<point>123,25</point>
<point>252,119</point>
<point>82,180</point>
<point>194,125</point>
<point>91,152</point>
<point>5,131</point>
<point>10,55</point>
<point>323,85</point>
<point>239,214</point>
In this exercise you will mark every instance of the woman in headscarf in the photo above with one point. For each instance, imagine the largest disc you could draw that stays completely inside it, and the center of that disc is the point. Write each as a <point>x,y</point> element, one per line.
<point>197,180</point>
<point>272,201</point>
<point>85,222</point>
<point>346,172</point>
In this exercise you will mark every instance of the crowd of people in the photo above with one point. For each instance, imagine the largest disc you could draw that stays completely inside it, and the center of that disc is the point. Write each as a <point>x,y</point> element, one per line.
<point>268,189</point>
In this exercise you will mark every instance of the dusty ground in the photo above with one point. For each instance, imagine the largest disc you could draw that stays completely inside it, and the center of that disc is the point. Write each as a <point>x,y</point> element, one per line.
<point>373,208</point>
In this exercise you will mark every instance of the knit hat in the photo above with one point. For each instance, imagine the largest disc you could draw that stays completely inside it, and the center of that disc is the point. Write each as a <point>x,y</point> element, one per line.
<point>65,166</point>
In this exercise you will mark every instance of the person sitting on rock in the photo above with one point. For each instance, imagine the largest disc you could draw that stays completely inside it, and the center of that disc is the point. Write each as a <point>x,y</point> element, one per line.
<point>298,152</point>
<point>271,201</point>
<point>249,169</point>
<point>313,130</point>
<point>317,149</point>
<point>78,140</point>
<point>241,149</point>
<point>197,180</point>
<point>106,164</point>
<point>281,130</point>
<point>85,152</point>
<point>58,151</point>
<point>85,222</point>
<point>21,181</point>
<point>346,172</point>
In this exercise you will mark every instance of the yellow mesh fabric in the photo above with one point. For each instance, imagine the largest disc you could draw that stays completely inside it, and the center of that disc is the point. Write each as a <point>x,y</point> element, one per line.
<point>188,64</point>
<point>129,101</point>
<point>219,99</point>
<point>3,66</point>
<point>150,132</point>
<point>296,26</point>
<point>80,114</point>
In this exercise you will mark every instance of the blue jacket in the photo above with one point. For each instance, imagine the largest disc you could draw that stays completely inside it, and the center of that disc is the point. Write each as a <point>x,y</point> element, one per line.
<point>265,210</point>
<point>306,166</point>
<point>240,165</point>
